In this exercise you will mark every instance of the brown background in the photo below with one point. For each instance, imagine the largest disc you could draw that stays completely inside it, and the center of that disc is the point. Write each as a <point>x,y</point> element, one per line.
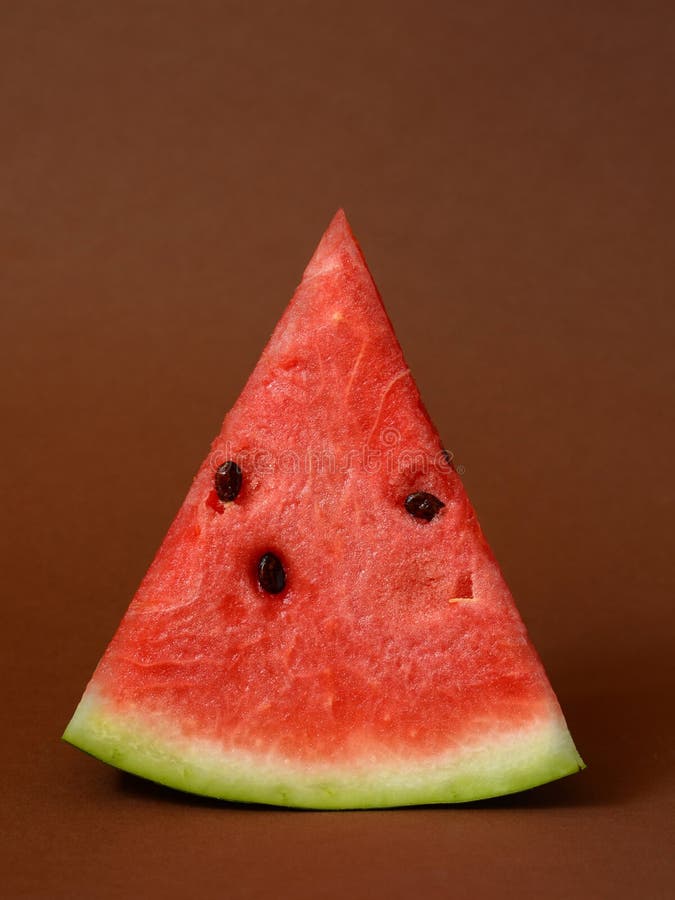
<point>165,171</point>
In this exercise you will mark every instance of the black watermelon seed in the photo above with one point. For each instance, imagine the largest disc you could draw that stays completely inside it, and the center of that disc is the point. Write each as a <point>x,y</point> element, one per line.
<point>423,505</point>
<point>271,575</point>
<point>228,481</point>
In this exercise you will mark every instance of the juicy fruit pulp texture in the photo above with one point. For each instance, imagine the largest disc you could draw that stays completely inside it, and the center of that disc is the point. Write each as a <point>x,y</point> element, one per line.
<point>388,663</point>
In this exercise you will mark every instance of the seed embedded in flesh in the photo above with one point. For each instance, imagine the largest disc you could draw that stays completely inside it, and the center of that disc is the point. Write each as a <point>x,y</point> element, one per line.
<point>423,505</point>
<point>271,574</point>
<point>228,481</point>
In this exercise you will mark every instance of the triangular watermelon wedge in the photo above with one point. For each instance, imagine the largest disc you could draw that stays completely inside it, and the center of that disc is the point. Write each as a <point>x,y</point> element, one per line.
<point>324,624</point>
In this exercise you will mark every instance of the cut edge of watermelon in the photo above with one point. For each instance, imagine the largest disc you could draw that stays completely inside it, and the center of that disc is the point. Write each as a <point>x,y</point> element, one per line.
<point>503,763</point>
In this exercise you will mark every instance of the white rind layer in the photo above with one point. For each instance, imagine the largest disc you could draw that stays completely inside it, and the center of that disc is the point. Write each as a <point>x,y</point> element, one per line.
<point>499,763</point>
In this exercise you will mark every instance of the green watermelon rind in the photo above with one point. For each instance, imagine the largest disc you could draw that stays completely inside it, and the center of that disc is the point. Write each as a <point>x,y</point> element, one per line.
<point>500,763</point>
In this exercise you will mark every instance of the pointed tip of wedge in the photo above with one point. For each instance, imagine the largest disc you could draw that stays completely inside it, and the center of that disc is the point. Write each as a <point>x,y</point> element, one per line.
<point>337,249</point>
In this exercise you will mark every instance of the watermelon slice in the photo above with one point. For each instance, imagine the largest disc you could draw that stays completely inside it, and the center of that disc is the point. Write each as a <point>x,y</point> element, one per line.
<point>324,624</point>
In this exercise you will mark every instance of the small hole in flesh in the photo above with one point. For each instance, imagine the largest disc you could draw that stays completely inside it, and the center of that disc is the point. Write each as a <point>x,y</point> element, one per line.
<point>464,586</point>
<point>423,505</point>
<point>271,574</point>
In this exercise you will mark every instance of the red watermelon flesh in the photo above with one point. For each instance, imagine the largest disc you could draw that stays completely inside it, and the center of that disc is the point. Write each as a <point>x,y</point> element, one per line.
<point>392,667</point>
